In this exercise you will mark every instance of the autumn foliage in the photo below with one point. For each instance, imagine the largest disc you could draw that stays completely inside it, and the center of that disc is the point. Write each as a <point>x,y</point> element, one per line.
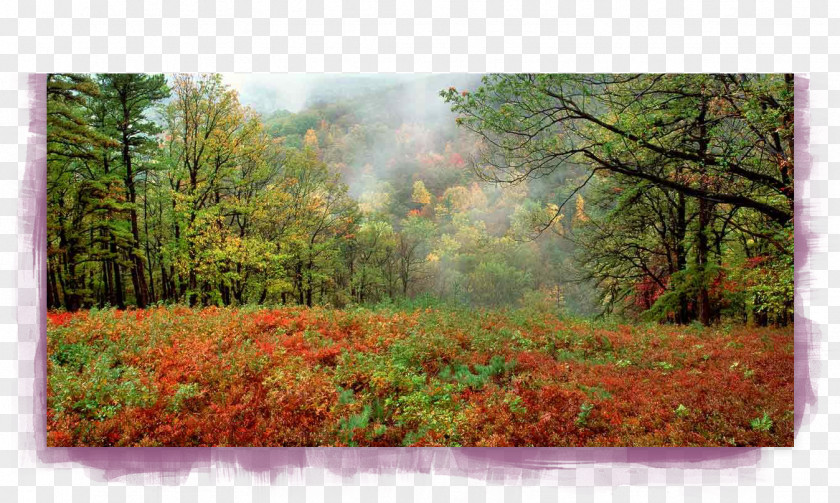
<point>173,376</point>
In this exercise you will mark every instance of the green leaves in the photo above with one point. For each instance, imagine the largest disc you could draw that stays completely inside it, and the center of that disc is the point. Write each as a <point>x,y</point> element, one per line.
<point>183,393</point>
<point>89,380</point>
<point>667,145</point>
<point>763,423</point>
<point>583,415</point>
<point>482,375</point>
<point>203,201</point>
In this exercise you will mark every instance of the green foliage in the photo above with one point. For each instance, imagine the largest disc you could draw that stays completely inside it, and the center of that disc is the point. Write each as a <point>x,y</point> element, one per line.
<point>356,422</point>
<point>94,385</point>
<point>495,284</point>
<point>481,376</point>
<point>169,190</point>
<point>583,415</point>
<point>73,356</point>
<point>664,365</point>
<point>770,289</point>
<point>345,396</point>
<point>183,393</point>
<point>763,423</point>
<point>669,195</point>
<point>596,391</point>
<point>515,405</point>
<point>297,376</point>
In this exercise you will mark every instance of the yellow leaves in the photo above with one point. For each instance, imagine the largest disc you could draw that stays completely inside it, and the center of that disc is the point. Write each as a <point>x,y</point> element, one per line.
<point>477,197</point>
<point>580,213</point>
<point>457,198</point>
<point>420,195</point>
<point>310,139</point>
<point>554,219</point>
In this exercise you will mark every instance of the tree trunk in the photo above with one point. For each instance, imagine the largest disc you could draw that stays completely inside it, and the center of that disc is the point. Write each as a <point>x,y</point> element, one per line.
<point>164,283</point>
<point>703,303</point>
<point>106,284</point>
<point>62,288</point>
<point>53,297</point>
<point>679,237</point>
<point>152,297</point>
<point>299,281</point>
<point>703,218</point>
<point>118,298</point>
<point>138,274</point>
<point>309,284</point>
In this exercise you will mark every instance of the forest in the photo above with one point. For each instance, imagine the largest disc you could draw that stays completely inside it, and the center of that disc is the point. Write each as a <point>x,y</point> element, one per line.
<point>665,196</point>
<point>579,205</point>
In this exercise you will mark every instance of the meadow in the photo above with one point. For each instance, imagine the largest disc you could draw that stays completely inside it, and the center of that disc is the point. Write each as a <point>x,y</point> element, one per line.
<point>410,375</point>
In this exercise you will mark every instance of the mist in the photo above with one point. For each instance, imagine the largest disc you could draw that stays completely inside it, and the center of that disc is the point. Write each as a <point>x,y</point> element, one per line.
<point>268,93</point>
<point>378,104</point>
<point>383,134</point>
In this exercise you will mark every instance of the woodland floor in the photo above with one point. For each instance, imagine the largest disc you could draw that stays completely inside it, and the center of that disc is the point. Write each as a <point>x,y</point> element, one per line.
<point>387,377</point>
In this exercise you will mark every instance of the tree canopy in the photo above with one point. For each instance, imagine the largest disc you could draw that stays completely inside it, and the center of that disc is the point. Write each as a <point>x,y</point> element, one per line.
<point>667,197</point>
<point>685,164</point>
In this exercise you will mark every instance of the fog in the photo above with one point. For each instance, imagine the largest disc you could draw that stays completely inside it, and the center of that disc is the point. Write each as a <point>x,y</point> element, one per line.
<point>379,104</point>
<point>268,93</point>
<point>399,118</point>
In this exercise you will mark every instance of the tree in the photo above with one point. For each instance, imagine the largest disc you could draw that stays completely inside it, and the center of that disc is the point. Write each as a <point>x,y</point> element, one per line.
<point>723,142</point>
<point>207,130</point>
<point>323,213</point>
<point>129,98</point>
<point>635,242</point>
<point>375,243</point>
<point>420,195</point>
<point>412,249</point>
<point>78,187</point>
<point>642,126</point>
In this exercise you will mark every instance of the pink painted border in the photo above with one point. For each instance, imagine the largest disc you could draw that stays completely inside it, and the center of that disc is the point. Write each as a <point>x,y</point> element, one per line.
<point>173,464</point>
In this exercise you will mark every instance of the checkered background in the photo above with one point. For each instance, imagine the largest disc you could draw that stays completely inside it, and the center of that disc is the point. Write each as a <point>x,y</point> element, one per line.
<point>369,36</point>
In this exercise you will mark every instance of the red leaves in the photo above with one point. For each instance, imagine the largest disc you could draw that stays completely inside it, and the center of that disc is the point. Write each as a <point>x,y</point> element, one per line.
<point>534,361</point>
<point>59,319</point>
<point>294,376</point>
<point>754,262</point>
<point>647,291</point>
<point>326,356</point>
<point>456,159</point>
